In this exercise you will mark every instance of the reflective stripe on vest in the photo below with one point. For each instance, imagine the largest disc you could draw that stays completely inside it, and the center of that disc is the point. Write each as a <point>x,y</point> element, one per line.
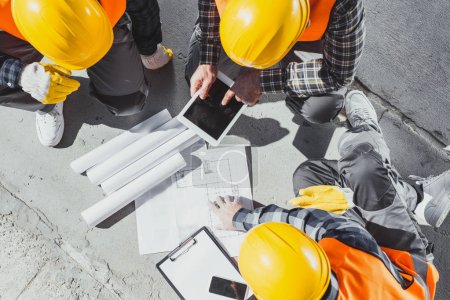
<point>319,18</point>
<point>363,276</point>
<point>113,8</point>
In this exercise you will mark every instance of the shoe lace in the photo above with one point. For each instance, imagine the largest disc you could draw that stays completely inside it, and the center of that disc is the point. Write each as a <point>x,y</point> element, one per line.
<point>361,111</point>
<point>50,117</point>
<point>421,180</point>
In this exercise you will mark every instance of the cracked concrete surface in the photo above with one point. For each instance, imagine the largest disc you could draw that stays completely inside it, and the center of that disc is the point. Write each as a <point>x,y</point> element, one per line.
<point>41,198</point>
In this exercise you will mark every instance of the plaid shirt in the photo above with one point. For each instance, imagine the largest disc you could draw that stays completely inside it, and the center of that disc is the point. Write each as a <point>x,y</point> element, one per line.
<point>10,70</point>
<point>144,15</point>
<point>343,44</point>
<point>319,224</point>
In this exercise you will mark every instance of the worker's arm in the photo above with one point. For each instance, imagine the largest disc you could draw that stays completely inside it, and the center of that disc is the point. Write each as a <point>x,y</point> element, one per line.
<point>343,45</point>
<point>146,24</point>
<point>316,223</point>
<point>209,21</point>
<point>10,70</point>
<point>206,73</point>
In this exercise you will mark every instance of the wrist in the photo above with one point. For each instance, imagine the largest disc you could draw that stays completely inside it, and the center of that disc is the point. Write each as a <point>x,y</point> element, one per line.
<point>10,72</point>
<point>272,80</point>
<point>239,219</point>
<point>348,195</point>
<point>209,54</point>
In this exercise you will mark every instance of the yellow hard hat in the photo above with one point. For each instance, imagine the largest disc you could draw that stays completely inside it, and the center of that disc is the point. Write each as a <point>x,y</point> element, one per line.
<point>75,34</point>
<point>280,262</point>
<point>259,34</point>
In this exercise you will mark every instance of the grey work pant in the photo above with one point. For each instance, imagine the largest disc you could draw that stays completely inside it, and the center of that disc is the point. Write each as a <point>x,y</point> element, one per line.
<point>384,201</point>
<point>316,109</point>
<point>117,80</point>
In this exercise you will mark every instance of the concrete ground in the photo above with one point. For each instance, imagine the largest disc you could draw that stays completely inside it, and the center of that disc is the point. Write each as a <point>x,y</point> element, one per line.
<point>47,250</point>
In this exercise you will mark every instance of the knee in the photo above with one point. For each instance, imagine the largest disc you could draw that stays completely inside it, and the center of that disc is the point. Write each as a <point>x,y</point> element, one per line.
<point>362,167</point>
<point>302,175</point>
<point>323,109</point>
<point>126,105</point>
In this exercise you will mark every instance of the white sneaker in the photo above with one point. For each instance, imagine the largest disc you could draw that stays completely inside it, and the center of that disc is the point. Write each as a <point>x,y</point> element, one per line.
<point>157,60</point>
<point>436,203</point>
<point>360,111</point>
<point>50,125</point>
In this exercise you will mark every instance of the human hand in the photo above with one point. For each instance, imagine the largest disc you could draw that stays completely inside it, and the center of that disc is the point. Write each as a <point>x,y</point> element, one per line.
<point>325,197</point>
<point>225,208</point>
<point>47,83</point>
<point>246,88</point>
<point>203,79</point>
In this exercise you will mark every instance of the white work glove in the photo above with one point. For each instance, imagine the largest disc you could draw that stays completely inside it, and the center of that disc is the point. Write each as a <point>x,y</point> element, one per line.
<point>158,59</point>
<point>47,83</point>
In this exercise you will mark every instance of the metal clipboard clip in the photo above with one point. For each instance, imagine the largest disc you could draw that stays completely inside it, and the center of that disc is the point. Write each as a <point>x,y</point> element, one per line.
<point>182,249</point>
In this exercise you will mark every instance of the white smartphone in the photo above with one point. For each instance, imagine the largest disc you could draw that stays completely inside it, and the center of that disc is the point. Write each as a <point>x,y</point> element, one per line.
<point>209,118</point>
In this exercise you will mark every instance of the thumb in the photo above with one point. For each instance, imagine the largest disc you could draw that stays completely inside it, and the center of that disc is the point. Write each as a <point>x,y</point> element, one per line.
<point>303,201</point>
<point>196,84</point>
<point>206,85</point>
<point>58,69</point>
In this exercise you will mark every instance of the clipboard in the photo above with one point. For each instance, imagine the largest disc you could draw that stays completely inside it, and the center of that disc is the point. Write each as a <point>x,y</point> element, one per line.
<point>190,267</point>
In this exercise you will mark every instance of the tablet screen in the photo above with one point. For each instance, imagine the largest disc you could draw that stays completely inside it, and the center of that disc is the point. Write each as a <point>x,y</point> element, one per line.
<point>209,114</point>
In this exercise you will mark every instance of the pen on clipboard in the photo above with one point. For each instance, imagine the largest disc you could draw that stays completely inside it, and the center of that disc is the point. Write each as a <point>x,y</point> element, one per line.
<point>182,249</point>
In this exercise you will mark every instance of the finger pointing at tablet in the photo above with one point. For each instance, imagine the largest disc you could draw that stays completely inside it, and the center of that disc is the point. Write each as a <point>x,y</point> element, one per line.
<point>202,80</point>
<point>246,88</point>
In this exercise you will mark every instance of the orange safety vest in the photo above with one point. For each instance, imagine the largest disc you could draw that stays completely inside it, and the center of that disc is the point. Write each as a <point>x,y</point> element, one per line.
<point>113,8</point>
<point>363,276</point>
<point>319,18</point>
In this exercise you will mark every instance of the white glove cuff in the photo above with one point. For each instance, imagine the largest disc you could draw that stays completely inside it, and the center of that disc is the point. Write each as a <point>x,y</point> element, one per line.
<point>35,81</point>
<point>348,194</point>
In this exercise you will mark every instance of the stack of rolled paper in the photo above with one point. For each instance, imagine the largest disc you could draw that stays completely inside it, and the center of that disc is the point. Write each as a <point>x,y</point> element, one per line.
<point>134,162</point>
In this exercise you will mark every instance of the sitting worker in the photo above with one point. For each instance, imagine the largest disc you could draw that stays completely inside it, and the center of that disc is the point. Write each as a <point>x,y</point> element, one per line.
<point>83,34</point>
<point>375,250</point>
<point>263,44</point>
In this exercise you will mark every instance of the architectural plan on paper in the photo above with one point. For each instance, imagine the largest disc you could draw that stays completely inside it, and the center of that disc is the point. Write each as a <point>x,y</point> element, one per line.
<point>175,209</point>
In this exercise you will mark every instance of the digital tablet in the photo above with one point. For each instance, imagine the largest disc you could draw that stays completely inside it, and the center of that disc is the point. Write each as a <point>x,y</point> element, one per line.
<point>209,118</point>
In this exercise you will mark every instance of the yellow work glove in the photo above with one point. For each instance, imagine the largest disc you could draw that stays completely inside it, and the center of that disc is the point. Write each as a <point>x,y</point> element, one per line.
<point>47,83</point>
<point>325,197</point>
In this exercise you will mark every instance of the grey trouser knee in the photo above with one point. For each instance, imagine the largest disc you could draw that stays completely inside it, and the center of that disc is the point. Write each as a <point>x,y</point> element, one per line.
<point>318,109</point>
<point>16,97</point>
<point>383,199</point>
<point>118,80</point>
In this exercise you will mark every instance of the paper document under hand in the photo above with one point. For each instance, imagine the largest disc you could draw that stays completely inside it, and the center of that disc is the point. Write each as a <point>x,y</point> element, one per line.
<point>167,214</point>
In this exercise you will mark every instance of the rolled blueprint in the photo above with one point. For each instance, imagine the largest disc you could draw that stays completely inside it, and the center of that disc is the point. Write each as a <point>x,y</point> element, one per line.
<point>150,160</point>
<point>108,149</point>
<point>122,197</point>
<point>134,151</point>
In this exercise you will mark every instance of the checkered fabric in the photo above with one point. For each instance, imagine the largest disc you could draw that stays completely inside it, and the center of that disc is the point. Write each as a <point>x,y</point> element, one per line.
<point>144,15</point>
<point>318,224</point>
<point>343,45</point>
<point>209,21</point>
<point>10,70</point>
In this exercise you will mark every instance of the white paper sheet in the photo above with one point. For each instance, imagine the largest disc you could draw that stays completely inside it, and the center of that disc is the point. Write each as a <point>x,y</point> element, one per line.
<point>134,151</point>
<point>119,199</point>
<point>147,162</point>
<point>165,217</point>
<point>106,150</point>
<point>191,268</point>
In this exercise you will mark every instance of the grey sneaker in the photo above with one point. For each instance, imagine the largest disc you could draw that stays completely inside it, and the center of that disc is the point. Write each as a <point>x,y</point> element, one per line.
<point>437,208</point>
<point>50,125</point>
<point>360,111</point>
